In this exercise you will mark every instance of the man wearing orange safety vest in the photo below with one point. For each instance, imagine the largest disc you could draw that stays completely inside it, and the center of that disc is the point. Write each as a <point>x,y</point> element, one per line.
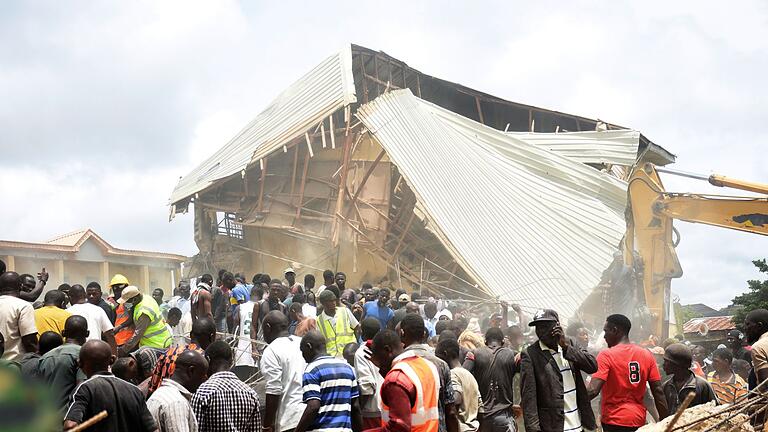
<point>124,319</point>
<point>409,394</point>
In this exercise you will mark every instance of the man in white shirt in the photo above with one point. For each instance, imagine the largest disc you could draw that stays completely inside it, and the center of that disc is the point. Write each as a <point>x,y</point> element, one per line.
<point>328,279</point>
<point>282,366</point>
<point>99,326</point>
<point>180,324</point>
<point>182,300</point>
<point>169,404</point>
<point>17,319</point>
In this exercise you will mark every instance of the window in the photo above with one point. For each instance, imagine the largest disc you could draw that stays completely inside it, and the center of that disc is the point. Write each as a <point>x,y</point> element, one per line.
<point>227,225</point>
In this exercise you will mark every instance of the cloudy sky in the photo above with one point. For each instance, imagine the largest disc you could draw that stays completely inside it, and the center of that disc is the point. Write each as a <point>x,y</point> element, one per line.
<point>105,104</point>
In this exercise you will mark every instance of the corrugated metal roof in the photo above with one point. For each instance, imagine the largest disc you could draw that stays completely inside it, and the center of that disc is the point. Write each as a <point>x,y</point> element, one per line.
<point>527,224</point>
<point>617,147</point>
<point>325,89</point>
<point>712,324</point>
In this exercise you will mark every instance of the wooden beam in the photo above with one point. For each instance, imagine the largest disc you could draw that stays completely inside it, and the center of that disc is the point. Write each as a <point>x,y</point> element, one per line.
<point>453,273</point>
<point>365,179</point>
<point>295,163</point>
<point>288,260</point>
<point>380,82</point>
<point>261,183</point>
<point>374,208</point>
<point>402,235</point>
<point>333,132</point>
<point>365,84</point>
<point>342,185</point>
<point>376,72</point>
<point>322,132</point>
<point>479,110</point>
<point>301,188</point>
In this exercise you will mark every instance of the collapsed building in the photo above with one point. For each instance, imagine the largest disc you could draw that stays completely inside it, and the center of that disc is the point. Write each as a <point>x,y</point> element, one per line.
<point>368,166</point>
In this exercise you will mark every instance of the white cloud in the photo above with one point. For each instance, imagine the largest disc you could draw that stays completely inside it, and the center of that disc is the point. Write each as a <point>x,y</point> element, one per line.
<point>128,209</point>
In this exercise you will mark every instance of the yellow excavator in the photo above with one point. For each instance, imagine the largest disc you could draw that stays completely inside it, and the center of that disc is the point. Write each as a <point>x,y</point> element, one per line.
<point>650,240</point>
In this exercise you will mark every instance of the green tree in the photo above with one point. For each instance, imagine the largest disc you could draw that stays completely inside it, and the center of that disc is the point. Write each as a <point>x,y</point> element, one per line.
<point>755,298</point>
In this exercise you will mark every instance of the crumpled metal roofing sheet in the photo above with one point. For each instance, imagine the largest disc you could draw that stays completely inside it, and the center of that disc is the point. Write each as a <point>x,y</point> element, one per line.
<point>325,89</point>
<point>617,147</point>
<point>526,224</point>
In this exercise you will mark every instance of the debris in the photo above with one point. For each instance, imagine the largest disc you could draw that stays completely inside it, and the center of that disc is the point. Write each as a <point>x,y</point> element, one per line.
<point>706,417</point>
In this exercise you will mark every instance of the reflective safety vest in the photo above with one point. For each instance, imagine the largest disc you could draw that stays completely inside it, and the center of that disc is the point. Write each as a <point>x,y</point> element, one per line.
<point>425,378</point>
<point>157,334</point>
<point>339,336</point>
<point>122,315</point>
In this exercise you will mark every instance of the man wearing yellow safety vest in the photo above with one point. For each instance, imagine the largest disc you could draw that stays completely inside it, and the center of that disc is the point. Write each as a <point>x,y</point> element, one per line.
<point>150,329</point>
<point>337,324</point>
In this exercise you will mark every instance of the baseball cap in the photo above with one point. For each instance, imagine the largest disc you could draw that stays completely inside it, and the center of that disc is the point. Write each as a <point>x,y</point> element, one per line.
<point>735,334</point>
<point>544,315</point>
<point>128,293</point>
<point>289,270</point>
<point>403,298</point>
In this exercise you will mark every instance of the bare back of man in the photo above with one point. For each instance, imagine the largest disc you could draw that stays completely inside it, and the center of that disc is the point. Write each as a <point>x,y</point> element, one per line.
<point>202,308</point>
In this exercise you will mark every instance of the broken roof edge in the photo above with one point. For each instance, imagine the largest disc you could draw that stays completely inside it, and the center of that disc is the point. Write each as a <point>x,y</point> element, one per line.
<point>471,91</point>
<point>664,157</point>
<point>322,91</point>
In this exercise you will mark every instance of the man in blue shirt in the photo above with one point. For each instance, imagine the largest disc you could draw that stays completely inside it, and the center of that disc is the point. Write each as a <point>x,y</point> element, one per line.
<point>330,390</point>
<point>379,309</point>
<point>242,292</point>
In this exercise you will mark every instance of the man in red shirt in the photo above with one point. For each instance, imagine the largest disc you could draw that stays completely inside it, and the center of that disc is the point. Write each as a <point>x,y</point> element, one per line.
<point>622,373</point>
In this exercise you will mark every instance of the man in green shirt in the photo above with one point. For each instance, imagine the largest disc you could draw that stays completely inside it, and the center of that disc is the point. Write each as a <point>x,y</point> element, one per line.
<point>58,368</point>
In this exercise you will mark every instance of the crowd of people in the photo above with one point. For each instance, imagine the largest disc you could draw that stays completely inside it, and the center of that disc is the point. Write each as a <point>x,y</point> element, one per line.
<point>337,358</point>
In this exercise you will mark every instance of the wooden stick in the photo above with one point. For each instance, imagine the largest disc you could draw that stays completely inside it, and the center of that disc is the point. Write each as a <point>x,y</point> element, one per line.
<point>402,235</point>
<point>680,409</point>
<point>263,163</point>
<point>322,132</point>
<point>333,132</point>
<point>90,422</point>
<point>301,188</point>
<point>295,164</point>
<point>479,110</point>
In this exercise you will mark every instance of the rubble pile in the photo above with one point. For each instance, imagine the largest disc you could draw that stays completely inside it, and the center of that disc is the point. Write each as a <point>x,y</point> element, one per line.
<point>706,417</point>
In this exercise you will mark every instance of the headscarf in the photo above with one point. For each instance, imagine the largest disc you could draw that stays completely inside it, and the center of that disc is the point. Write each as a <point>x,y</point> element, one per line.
<point>469,340</point>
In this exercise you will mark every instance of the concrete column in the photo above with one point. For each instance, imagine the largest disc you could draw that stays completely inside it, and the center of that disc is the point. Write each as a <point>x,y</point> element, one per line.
<point>145,279</point>
<point>10,263</point>
<point>105,276</point>
<point>58,271</point>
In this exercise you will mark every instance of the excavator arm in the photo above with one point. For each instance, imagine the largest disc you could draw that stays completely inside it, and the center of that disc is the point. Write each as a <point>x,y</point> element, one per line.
<point>649,242</point>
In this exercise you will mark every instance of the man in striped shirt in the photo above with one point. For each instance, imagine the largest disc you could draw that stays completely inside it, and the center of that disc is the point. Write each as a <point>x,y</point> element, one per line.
<point>330,390</point>
<point>169,405</point>
<point>728,386</point>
